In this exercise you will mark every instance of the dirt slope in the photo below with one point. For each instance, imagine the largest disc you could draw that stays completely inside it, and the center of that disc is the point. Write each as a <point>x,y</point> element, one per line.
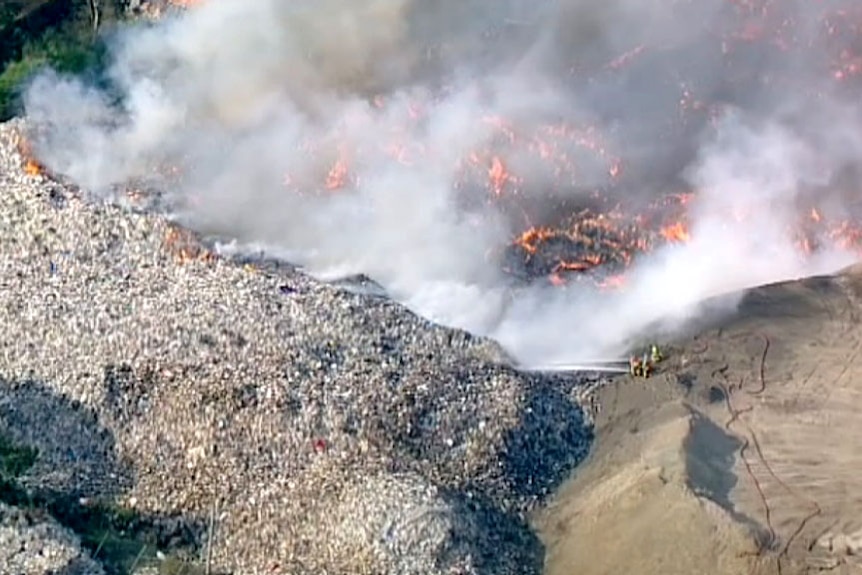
<point>742,455</point>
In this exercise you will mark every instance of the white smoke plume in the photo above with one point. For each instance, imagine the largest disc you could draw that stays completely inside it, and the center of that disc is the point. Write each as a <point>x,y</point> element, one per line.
<point>262,103</point>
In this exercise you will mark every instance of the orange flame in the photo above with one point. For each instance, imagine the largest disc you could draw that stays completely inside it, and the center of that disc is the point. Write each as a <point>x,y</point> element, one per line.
<point>336,179</point>
<point>815,215</point>
<point>576,266</point>
<point>32,167</point>
<point>185,249</point>
<point>613,282</point>
<point>530,239</point>
<point>676,232</point>
<point>499,176</point>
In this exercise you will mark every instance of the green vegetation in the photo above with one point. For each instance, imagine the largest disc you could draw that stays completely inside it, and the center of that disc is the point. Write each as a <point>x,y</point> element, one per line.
<point>120,539</point>
<point>63,34</point>
<point>14,460</point>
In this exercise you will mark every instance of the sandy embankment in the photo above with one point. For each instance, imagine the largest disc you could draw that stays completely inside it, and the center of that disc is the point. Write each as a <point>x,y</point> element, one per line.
<point>741,456</point>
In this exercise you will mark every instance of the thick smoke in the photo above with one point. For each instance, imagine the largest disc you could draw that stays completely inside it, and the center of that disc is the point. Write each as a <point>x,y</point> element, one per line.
<point>262,103</point>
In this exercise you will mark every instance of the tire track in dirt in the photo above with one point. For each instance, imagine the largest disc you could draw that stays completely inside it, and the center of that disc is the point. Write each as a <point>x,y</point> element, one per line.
<point>749,439</point>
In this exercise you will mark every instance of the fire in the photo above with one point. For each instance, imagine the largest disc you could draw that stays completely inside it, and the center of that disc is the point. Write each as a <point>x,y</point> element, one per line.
<point>530,239</point>
<point>598,244</point>
<point>815,215</point>
<point>498,175</point>
<point>623,59</point>
<point>676,232</point>
<point>846,235</point>
<point>185,248</point>
<point>336,179</point>
<point>613,282</point>
<point>600,247</point>
<point>31,166</point>
<point>588,262</point>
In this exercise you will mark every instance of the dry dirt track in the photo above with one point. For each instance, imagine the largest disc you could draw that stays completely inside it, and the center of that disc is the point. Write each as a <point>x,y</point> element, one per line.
<point>742,455</point>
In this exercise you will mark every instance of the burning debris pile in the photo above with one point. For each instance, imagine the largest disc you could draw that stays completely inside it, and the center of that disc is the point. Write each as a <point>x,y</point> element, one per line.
<point>598,246</point>
<point>32,166</point>
<point>451,151</point>
<point>588,242</point>
<point>519,165</point>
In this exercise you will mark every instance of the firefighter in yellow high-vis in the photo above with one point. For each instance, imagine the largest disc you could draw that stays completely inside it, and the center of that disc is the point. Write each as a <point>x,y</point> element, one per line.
<point>636,366</point>
<point>646,364</point>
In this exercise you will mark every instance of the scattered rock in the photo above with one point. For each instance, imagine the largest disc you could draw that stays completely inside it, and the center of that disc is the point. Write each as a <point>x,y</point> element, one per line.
<point>842,543</point>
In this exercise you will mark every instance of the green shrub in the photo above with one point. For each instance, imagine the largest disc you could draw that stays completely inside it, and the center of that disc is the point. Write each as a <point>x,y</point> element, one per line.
<point>11,81</point>
<point>14,460</point>
<point>64,42</point>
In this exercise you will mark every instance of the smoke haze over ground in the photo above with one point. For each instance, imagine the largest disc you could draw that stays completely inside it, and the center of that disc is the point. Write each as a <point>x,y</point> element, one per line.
<point>413,141</point>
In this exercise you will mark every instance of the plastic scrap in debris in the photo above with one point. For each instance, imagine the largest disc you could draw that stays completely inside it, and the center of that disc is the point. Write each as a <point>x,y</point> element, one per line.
<point>319,445</point>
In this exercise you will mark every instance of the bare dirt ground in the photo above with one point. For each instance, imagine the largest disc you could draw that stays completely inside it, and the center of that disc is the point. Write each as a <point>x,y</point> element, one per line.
<point>741,455</point>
